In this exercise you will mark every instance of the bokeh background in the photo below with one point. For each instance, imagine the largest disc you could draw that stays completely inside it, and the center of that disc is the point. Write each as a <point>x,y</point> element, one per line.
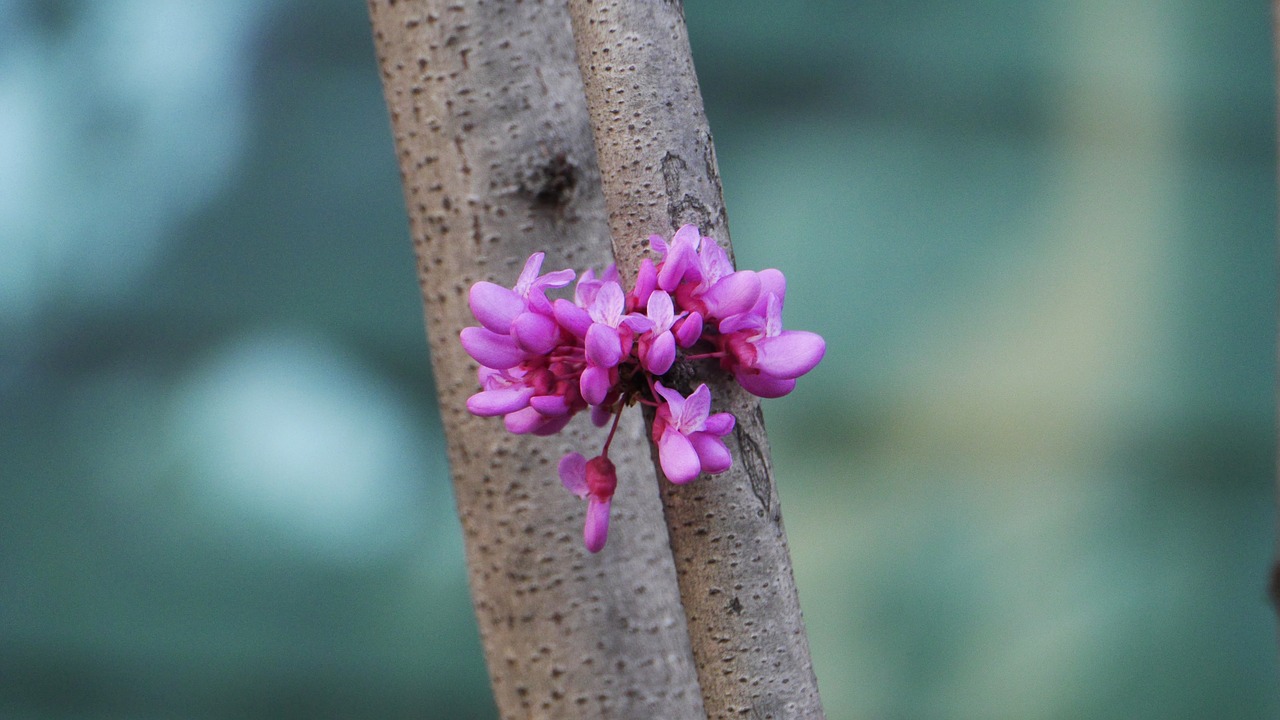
<point>1032,478</point>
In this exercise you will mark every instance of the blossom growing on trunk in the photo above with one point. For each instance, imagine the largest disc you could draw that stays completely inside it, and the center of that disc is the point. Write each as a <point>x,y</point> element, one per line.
<point>657,349</point>
<point>544,360</point>
<point>688,435</point>
<point>763,357</point>
<point>593,480</point>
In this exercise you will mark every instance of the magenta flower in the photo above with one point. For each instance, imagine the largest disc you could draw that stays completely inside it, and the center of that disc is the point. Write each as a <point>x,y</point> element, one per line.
<point>491,349</point>
<point>502,393</point>
<point>544,360</point>
<point>497,307</point>
<point>657,349</point>
<point>679,258</point>
<point>646,282</point>
<point>688,435</point>
<point>593,480</point>
<point>608,340</point>
<point>764,358</point>
<point>532,287</point>
<point>689,329</point>
<point>720,291</point>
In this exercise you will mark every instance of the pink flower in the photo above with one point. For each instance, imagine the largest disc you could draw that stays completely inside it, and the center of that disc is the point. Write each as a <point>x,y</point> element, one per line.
<point>496,307</point>
<point>515,322</point>
<point>657,348</point>
<point>764,358</point>
<point>720,291</point>
<point>698,272</point>
<point>688,435</point>
<point>679,259</point>
<point>503,392</point>
<point>646,282</point>
<point>607,340</point>
<point>593,480</point>
<point>491,349</point>
<point>542,361</point>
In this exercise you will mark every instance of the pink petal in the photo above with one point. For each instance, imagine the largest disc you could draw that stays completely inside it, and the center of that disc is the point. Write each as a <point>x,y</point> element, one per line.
<point>772,315</point>
<point>491,349</point>
<point>584,293</point>
<point>595,532</point>
<point>608,304</point>
<point>689,235</point>
<point>638,323</point>
<point>734,293</point>
<point>551,425</point>
<point>552,405</point>
<point>681,261</point>
<point>674,269</point>
<point>693,416</point>
<point>529,273</point>
<point>571,317</point>
<point>789,354</point>
<point>494,306</point>
<point>646,281</point>
<point>594,384</point>
<point>677,457</point>
<point>524,421</point>
<point>557,279</point>
<point>763,385</point>
<point>712,453</point>
<point>773,282</point>
<point>718,424</point>
<point>661,355</point>
<point>604,347</point>
<point>714,261</point>
<point>491,379</point>
<point>626,338</point>
<point>660,310</point>
<point>489,403</point>
<point>538,302</point>
<point>573,473</point>
<point>689,330</point>
<point>535,333</point>
<point>741,321</point>
<point>675,400</point>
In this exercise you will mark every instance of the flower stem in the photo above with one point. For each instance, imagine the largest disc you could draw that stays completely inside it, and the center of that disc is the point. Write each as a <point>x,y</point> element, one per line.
<point>617,415</point>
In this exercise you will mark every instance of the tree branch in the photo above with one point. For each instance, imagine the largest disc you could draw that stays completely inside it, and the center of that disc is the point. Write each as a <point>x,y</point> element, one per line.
<point>659,171</point>
<point>496,157</point>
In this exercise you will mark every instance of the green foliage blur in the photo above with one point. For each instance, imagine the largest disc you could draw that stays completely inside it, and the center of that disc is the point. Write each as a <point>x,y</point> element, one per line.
<point>1032,478</point>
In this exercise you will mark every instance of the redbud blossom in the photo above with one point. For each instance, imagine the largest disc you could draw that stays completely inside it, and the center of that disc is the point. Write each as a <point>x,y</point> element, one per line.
<point>542,360</point>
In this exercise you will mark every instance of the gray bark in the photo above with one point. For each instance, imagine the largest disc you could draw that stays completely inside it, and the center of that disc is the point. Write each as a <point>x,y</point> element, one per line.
<point>659,171</point>
<point>497,162</point>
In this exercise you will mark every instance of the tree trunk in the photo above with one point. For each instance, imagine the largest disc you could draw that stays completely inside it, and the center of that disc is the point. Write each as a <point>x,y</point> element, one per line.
<point>659,171</point>
<point>496,157</point>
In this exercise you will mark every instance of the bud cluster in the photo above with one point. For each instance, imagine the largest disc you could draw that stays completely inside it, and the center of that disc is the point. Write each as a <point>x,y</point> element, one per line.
<point>542,360</point>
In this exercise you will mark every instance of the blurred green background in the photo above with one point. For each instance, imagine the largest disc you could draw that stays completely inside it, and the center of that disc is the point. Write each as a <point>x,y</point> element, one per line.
<point>1032,478</point>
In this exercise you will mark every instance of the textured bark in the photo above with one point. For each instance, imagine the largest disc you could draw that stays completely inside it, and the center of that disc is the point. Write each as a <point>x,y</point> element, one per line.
<point>659,171</point>
<point>495,154</point>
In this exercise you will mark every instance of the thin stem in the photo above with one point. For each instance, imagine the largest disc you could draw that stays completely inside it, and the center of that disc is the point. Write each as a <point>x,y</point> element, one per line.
<point>617,415</point>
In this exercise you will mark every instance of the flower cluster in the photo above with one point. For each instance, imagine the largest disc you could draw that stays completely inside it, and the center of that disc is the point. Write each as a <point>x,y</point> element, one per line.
<point>544,360</point>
